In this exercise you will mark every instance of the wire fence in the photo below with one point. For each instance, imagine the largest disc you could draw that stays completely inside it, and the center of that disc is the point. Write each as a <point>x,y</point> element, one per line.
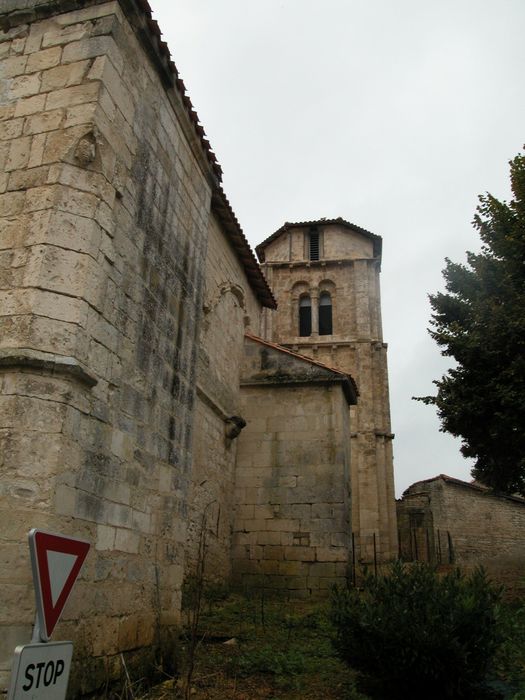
<point>421,544</point>
<point>426,544</point>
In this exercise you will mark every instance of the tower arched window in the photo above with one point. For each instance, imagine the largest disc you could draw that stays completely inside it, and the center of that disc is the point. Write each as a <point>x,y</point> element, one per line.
<point>305,316</point>
<point>325,314</point>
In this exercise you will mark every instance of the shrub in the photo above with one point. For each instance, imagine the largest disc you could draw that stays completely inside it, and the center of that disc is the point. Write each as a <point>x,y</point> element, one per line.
<point>510,659</point>
<point>414,634</point>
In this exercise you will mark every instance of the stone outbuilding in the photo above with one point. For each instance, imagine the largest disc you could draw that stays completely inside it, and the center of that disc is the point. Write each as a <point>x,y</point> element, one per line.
<point>445,520</point>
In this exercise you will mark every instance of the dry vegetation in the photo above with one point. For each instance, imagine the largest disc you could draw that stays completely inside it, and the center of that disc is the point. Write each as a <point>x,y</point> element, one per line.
<point>259,648</point>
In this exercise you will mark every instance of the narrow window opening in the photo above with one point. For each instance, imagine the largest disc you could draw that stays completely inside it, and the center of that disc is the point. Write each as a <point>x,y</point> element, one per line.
<point>314,244</point>
<point>305,316</point>
<point>325,314</point>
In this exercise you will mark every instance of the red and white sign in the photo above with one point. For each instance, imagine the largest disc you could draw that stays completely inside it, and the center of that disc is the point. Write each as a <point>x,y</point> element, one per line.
<point>56,562</point>
<point>41,671</point>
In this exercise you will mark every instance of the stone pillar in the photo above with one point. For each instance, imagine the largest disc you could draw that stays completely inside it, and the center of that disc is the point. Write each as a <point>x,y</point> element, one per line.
<point>314,296</point>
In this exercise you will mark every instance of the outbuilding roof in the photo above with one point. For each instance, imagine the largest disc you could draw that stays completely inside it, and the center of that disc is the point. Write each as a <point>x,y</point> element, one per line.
<point>475,485</point>
<point>348,383</point>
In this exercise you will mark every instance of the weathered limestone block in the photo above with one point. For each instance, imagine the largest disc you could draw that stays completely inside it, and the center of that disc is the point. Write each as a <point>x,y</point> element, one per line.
<point>102,265</point>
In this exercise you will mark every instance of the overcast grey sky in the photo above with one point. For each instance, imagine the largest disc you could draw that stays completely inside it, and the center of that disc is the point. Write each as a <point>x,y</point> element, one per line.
<point>393,115</point>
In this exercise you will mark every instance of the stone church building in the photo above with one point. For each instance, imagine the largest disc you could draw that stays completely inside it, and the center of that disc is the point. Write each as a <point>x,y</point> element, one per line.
<point>158,382</point>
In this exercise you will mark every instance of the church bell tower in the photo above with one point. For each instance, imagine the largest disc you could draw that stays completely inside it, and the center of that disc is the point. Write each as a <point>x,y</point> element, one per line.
<point>325,277</point>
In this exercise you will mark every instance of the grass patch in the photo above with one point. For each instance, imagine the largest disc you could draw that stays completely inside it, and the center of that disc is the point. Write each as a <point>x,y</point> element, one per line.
<point>254,647</point>
<point>274,648</point>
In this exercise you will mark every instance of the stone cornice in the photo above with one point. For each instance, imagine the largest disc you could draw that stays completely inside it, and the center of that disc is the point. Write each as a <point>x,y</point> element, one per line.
<point>338,262</point>
<point>300,342</point>
<point>45,363</point>
<point>345,384</point>
<point>375,433</point>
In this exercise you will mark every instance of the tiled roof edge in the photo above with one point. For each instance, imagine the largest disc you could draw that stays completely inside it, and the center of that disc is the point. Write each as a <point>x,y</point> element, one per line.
<point>342,375</point>
<point>139,13</point>
<point>223,210</point>
<point>476,486</point>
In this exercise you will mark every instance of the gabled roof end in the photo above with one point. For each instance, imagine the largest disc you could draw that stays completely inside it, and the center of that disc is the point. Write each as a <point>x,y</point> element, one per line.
<point>377,240</point>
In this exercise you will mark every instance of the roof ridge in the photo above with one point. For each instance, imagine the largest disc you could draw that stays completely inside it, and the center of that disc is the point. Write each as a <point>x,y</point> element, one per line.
<point>476,485</point>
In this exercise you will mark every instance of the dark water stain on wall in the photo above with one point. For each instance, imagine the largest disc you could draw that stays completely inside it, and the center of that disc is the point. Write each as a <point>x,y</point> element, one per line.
<point>172,266</point>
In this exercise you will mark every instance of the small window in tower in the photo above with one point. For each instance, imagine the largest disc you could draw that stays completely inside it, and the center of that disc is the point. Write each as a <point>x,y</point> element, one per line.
<point>314,244</point>
<point>305,316</point>
<point>325,314</point>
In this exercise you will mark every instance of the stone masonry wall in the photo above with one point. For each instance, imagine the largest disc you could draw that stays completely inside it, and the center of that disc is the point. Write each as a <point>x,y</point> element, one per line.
<point>230,307</point>
<point>485,529</point>
<point>104,219</point>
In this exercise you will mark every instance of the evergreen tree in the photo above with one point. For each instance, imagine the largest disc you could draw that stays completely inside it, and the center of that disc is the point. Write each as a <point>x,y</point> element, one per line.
<point>480,322</point>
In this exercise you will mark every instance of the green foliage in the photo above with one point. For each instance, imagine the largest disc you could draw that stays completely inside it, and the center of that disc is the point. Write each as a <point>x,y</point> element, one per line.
<point>480,322</point>
<point>510,659</point>
<point>279,645</point>
<point>268,660</point>
<point>413,634</point>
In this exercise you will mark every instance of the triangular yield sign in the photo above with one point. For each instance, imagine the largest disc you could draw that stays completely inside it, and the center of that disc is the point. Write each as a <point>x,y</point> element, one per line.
<point>56,563</point>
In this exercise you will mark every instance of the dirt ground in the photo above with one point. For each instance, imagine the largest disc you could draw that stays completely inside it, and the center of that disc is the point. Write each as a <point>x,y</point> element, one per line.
<point>262,650</point>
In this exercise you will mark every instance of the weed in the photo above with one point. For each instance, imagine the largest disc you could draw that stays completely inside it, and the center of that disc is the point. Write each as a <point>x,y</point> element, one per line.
<point>281,646</point>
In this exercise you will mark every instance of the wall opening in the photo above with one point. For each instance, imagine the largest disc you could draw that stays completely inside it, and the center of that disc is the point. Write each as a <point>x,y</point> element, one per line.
<point>325,314</point>
<point>313,244</point>
<point>305,316</point>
